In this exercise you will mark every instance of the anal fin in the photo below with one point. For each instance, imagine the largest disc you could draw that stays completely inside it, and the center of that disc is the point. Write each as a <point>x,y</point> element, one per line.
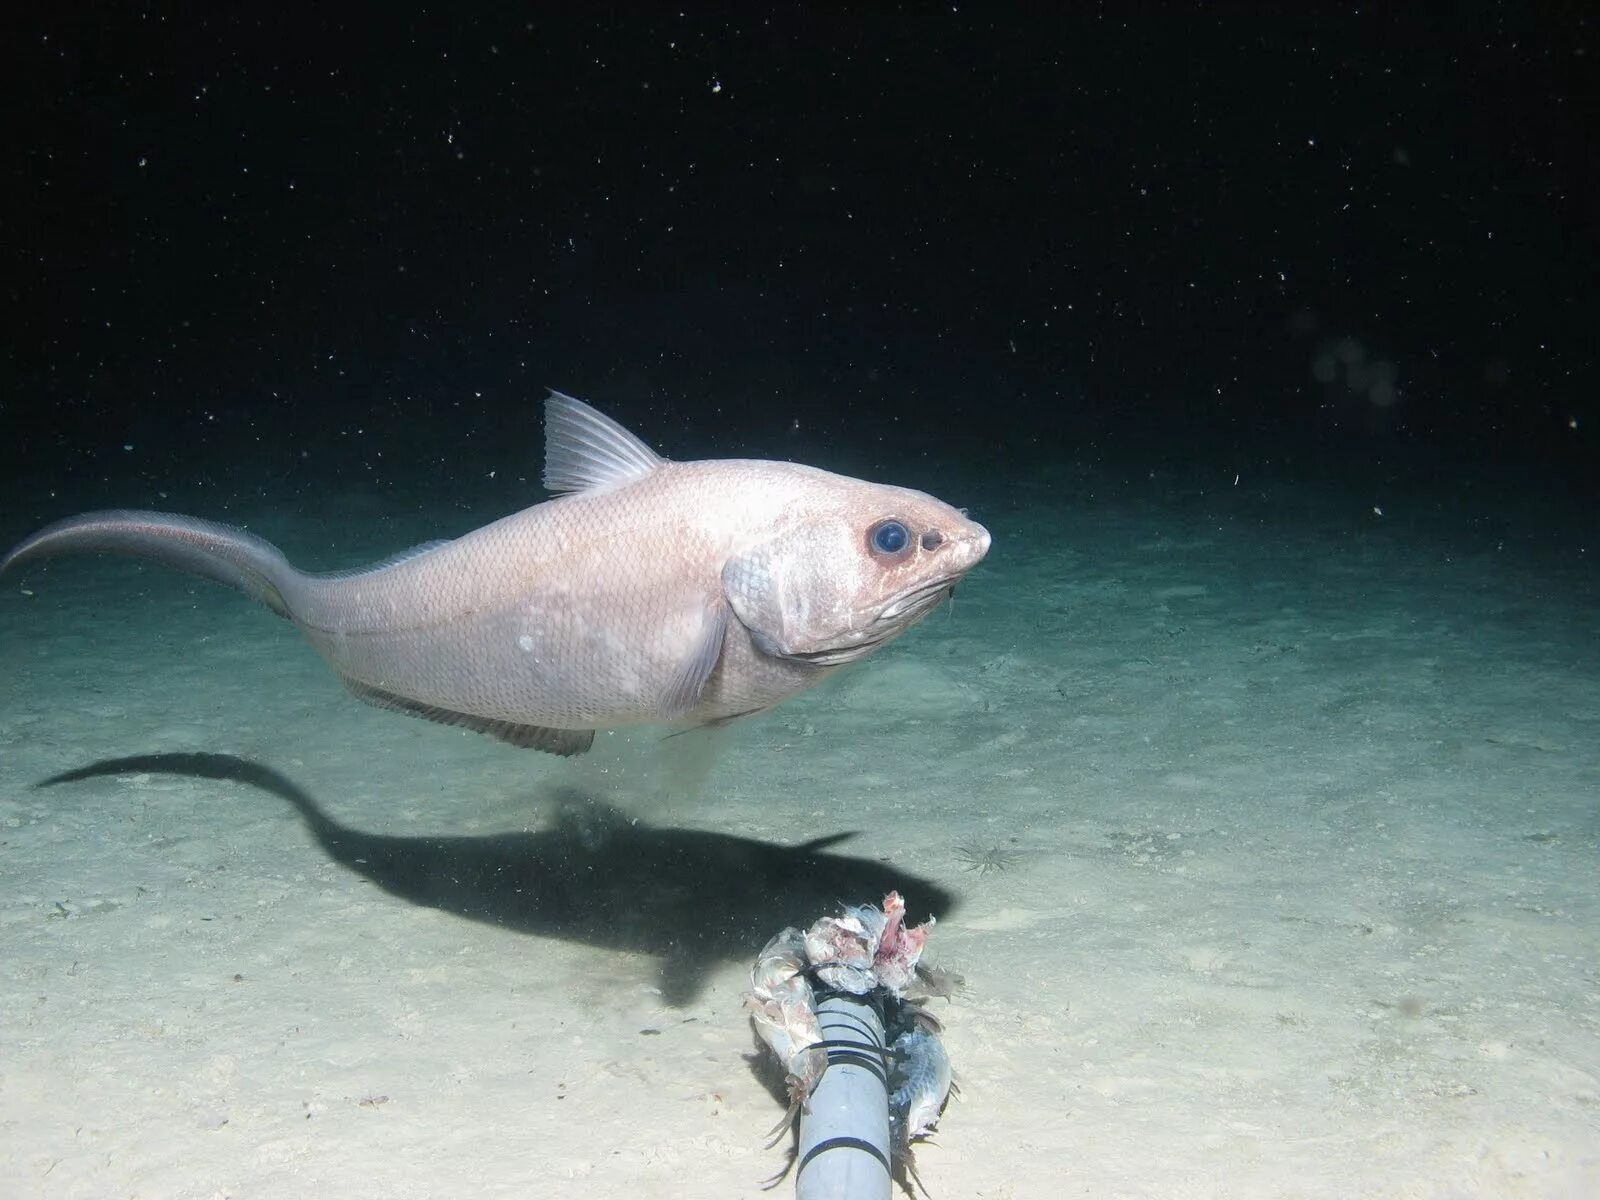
<point>565,742</point>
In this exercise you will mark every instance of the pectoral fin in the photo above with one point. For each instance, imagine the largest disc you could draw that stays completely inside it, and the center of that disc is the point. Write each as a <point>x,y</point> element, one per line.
<point>684,692</point>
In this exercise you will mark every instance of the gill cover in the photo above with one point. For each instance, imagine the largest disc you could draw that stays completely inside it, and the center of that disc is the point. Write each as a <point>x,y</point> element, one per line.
<point>795,592</point>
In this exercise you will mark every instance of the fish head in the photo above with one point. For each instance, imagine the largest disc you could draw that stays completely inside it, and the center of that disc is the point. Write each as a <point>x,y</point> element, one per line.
<point>850,568</point>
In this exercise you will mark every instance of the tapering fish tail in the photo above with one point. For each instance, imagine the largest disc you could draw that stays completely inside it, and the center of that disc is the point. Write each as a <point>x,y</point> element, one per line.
<point>222,553</point>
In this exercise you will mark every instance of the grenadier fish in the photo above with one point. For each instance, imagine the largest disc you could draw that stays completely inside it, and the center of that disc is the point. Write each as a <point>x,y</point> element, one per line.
<point>647,591</point>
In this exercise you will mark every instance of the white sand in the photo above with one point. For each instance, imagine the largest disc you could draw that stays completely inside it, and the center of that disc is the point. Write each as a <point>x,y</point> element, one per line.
<point>1304,904</point>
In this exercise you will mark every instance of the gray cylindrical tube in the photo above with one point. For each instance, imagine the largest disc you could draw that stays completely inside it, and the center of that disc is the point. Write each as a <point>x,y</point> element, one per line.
<point>844,1138</point>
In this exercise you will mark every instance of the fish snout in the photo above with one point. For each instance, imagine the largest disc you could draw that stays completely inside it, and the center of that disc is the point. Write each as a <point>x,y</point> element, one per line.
<point>981,537</point>
<point>972,543</point>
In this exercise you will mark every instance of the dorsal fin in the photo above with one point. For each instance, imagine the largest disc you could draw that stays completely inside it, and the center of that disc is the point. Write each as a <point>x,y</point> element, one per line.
<point>586,449</point>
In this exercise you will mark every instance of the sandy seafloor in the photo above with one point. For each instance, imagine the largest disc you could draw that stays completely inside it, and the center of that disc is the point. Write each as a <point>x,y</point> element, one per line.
<point>1302,900</point>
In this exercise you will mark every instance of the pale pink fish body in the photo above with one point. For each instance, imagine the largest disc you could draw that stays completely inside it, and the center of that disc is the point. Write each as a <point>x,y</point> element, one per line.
<point>652,591</point>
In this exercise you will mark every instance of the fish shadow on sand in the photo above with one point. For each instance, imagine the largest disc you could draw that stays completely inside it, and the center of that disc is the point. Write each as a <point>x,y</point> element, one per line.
<point>687,897</point>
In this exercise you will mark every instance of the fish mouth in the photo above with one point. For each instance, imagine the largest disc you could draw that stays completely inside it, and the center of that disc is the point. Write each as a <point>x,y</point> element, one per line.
<point>893,619</point>
<point>912,606</point>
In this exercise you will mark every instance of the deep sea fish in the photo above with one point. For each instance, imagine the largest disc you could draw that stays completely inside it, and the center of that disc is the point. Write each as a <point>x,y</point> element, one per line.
<point>782,1008</point>
<point>921,1082</point>
<point>647,591</point>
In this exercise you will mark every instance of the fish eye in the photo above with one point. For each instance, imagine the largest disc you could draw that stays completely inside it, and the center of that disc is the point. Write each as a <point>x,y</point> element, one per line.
<point>889,537</point>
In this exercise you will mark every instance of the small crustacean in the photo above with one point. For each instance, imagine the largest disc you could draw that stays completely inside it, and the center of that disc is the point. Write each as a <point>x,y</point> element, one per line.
<point>934,982</point>
<point>781,1007</point>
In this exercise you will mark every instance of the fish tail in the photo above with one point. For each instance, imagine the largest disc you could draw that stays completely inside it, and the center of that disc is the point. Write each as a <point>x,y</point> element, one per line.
<point>222,553</point>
